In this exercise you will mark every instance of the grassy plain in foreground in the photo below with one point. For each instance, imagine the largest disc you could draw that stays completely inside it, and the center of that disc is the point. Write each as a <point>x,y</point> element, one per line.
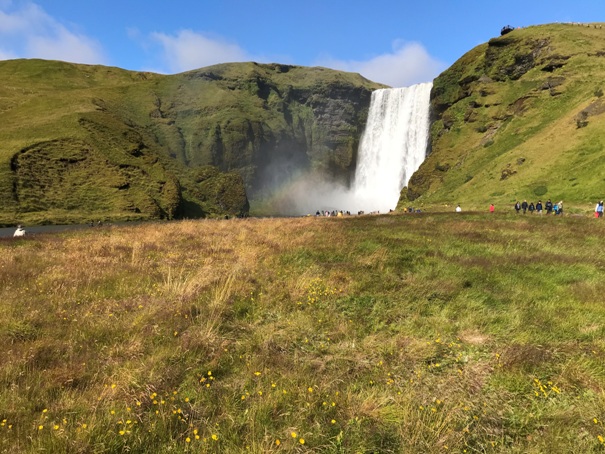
<point>397,333</point>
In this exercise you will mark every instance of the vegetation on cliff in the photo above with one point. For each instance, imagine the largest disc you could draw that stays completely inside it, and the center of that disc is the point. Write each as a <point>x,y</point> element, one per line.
<point>90,142</point>
<point>519,117</point>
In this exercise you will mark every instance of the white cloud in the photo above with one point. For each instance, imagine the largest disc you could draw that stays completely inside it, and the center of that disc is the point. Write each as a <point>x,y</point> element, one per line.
<point>29,32</point>
<point>407,64</point>
<point>190,50</point>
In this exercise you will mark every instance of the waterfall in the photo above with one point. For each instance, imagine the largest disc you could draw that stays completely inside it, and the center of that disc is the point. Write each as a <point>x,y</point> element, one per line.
<point>392,146</point>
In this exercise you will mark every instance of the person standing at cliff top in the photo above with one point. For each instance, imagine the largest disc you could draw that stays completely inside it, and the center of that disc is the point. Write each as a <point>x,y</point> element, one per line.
<point>19,232</point>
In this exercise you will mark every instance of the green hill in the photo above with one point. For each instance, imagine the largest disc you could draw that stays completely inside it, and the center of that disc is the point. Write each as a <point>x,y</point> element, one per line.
<point>519,117</point>
<point>82,142</point>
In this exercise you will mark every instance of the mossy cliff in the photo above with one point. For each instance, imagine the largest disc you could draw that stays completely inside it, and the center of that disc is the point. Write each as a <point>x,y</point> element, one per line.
<point>83,143</point>
<point>519,117</point>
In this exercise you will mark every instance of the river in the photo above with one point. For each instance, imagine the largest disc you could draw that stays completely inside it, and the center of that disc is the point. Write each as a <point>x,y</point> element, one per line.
<point>7,232</point>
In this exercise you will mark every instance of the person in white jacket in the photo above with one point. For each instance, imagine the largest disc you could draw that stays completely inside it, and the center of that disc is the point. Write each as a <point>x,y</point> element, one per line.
<point>19,232</point>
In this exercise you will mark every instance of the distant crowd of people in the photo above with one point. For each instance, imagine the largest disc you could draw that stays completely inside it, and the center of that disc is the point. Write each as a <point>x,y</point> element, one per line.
<point>538,207</point>
<point>340,213</point>
<point>549,207</point>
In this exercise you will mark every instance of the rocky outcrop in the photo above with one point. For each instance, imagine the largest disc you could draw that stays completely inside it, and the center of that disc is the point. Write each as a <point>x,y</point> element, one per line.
<point>269,122</point>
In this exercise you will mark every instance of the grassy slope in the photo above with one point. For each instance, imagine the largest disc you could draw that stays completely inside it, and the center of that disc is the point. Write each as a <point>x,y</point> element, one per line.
<point>414,333</point>
<point>80,147</point>
<point>520,126</point>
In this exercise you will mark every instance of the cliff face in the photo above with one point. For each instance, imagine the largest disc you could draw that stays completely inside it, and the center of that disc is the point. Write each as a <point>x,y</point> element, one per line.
<point>519,117</point>
<point>266,121</point>
<point>89,142</point>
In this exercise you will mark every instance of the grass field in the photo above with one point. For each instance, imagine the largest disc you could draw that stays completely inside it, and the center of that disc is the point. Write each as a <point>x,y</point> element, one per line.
<point>418,333</point>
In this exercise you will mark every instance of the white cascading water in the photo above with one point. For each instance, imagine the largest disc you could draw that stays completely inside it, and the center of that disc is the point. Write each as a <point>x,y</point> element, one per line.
<point>392,147</point>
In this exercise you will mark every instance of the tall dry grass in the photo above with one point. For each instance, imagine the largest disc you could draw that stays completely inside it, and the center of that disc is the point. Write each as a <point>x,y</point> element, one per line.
<point>429,333</point>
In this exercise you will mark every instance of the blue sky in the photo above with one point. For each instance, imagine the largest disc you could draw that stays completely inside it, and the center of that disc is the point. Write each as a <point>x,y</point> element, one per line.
<point>396,42</point>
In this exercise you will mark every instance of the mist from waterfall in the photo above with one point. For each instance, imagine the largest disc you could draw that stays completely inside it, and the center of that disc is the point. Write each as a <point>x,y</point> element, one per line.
<point>392,147</point>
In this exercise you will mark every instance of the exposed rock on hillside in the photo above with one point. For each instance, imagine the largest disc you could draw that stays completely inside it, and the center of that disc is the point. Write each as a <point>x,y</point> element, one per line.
<point>268,121</point>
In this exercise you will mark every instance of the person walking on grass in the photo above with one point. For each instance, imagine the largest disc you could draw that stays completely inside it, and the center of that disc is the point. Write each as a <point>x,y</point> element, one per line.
<point>492,208</point>
<point>531,208</point>
<point>548,206</point>
<point>517,207</point>
<point>524,206</point>
<point>539,207</point>
<point>599,210</point>
<point>458,209</point>
<point>560,211</point>
<point>19,232</point>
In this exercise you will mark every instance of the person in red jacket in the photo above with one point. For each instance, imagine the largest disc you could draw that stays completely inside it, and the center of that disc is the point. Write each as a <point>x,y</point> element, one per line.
<point>492,208</point>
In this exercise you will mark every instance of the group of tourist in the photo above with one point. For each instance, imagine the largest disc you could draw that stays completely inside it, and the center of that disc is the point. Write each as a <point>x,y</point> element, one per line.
<point>540,208</point>
<point>339,213</point>
<point>549,207</point>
